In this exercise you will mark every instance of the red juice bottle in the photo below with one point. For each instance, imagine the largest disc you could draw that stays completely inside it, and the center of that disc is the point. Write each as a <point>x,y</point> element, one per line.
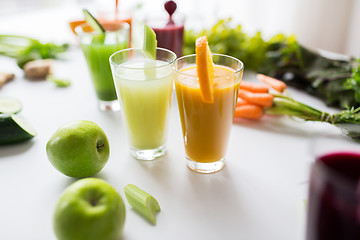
<point>169,32</point>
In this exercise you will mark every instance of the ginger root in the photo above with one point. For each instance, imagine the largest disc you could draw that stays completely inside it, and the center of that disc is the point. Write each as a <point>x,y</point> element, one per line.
<point>5,77</point>
<point>38,69</point>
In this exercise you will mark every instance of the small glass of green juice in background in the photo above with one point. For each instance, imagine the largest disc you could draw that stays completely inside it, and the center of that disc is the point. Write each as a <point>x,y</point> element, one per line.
<point>97,48</point>
<point>144,89</point>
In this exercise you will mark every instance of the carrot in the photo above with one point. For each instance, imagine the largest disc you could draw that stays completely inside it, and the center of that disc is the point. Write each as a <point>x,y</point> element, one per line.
<point>241,102</point>
<point>262,99</point>
<point>253,87</point>
<point>74,24</point>
<point>272,82</point>
<point>249,111</point>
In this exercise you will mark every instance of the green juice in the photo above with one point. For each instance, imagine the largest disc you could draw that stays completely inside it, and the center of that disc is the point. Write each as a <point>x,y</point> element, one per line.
<point>97,57</point>
<point>145,100</point>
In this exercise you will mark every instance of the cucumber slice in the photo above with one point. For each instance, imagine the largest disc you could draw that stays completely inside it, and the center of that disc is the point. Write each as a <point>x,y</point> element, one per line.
<point>93,23</point>
<point>14,129</point>
<point>9,105</point>
<point>150,42</point>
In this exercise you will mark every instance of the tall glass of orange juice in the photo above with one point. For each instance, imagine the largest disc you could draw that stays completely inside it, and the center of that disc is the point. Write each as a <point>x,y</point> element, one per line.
<point>206,126</point>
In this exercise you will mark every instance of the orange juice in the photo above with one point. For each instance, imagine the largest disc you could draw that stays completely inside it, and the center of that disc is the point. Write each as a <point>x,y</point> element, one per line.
<point>206,126</point>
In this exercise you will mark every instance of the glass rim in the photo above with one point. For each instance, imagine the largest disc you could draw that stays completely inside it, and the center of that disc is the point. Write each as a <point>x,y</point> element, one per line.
<point>212,54</point>
<point>332,176</point>
<point>323,168</point>
<point>140,49</point>
<point>124,27</point>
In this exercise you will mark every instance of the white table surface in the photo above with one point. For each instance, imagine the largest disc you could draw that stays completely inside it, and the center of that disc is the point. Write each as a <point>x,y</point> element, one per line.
<point>259,195</point>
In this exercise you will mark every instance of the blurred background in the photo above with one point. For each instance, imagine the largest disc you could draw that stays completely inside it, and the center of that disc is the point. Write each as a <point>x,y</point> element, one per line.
<point>324,24</point>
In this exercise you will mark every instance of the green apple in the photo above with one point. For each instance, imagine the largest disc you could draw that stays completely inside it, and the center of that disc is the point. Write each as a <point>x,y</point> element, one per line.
<point>78,149</point>
<point>89,209</point>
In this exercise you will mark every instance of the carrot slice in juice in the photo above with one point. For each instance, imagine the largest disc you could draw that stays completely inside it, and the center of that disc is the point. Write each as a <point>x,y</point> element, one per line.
<point>205,69</point>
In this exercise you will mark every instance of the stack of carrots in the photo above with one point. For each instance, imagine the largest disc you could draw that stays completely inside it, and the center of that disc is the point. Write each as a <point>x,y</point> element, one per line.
<point>254,98</point>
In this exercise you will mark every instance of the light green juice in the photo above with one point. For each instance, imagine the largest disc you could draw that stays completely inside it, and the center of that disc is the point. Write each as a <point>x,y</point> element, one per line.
<point>97,57</point>
<point>145,99</point>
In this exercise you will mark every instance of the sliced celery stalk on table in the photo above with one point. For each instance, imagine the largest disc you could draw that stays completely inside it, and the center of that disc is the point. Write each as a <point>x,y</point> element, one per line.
<point>142,202</point>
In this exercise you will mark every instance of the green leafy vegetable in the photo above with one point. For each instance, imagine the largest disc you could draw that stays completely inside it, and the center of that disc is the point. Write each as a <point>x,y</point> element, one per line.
<point>142,202</point>
<point>25,49</point>
<point>284,58</point>
<point>353,83</point>
<point>225,39</point>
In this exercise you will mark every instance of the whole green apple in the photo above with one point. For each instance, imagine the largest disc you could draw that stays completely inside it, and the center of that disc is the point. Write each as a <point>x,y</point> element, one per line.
<point>89,209</point>
<point>78,149</point>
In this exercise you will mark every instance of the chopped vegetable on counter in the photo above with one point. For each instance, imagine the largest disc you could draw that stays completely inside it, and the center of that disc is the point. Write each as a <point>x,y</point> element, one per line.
<point>9,105</point>
<point>142,202</point>
<point>59,81</point>
<point>38,69</point>
<point>14,129</point>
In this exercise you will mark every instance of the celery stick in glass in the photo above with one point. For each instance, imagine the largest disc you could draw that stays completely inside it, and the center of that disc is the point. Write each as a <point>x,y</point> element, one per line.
<point>150,42</point>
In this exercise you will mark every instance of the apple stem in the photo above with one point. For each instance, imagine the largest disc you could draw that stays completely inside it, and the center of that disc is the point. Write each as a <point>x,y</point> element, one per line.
<point>93,202</point>
<point>100,146</point>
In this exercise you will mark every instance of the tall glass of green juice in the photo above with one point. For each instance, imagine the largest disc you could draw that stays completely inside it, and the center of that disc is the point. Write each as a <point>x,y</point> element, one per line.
<point>144,88</point>
<point>97,48</point>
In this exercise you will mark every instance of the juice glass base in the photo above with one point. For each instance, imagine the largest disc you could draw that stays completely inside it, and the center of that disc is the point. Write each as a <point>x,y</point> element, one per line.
<point>205,167</point>
<point>148,154</point>
<point>105,106</point>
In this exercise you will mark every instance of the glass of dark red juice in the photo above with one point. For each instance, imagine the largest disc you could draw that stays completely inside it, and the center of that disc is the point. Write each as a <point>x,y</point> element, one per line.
<point>334,190</point>
<point>169,28</point>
